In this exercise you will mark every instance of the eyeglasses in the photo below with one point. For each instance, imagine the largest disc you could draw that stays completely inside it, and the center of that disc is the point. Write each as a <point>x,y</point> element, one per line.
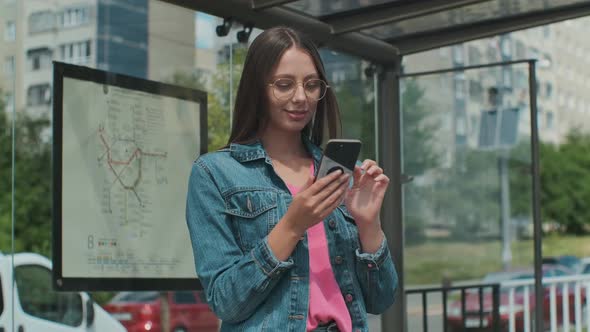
<point>284,88</point>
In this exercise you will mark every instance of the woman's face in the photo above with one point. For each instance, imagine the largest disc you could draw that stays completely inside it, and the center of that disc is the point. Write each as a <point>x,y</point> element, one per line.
<point>291,113</point>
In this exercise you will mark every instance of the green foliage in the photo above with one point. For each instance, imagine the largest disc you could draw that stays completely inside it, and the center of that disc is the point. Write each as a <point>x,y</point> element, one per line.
<point>419,157</point>
<point>418,130</point>
<point>356,103</point>
<point>519,170</point>
<point>32,183</point>
<point>430,262</point>
<point>565,183</point>
<point>564,178</point>
<point>217,86</point>
<point>469,195</point>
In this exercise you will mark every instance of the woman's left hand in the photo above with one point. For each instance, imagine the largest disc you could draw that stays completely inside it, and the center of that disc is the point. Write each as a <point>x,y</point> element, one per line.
<point>365,198</point>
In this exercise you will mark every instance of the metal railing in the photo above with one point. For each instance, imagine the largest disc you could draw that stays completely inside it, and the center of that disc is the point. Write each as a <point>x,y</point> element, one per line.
<point>574,292</point>
<point>482,319</point>
<point>512,304</point>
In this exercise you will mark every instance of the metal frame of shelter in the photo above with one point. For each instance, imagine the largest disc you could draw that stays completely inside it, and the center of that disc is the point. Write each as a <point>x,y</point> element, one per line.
<point>346,31</point>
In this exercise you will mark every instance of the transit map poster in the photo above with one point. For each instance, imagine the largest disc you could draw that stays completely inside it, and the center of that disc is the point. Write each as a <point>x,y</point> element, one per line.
<point>123,150</point>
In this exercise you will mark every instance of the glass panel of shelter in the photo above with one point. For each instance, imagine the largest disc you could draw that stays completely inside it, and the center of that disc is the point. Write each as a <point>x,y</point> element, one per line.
<point>466,144</point>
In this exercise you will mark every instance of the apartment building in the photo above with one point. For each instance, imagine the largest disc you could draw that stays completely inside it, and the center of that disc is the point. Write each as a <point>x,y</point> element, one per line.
<point>131,37</point>
<point>562,70</point>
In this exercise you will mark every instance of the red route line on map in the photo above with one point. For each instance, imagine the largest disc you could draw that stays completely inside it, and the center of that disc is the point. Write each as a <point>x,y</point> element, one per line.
<point>137,153</point>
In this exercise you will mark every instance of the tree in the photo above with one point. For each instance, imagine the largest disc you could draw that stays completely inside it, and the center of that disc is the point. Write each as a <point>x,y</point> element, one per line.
<point>418,131</point>
<point>564,179</point>
<point>32,182</point>
<point>218,90</point>
<point>420,157</point>
<point>356,104</point>
<point>469,196</point>
<point>565,183</point>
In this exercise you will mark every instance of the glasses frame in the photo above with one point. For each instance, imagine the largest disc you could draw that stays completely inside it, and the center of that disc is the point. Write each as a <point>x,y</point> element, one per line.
<point>272,85</point>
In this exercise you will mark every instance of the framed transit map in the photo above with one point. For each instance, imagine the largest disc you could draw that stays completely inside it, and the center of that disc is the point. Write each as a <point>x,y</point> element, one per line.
<point>123,148</point>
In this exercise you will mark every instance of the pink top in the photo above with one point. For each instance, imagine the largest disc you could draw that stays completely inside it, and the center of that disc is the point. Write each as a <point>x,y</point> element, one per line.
<point>325,299</point>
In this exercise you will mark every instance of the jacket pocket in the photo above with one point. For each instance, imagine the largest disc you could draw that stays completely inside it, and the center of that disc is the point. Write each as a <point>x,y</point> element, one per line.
<point>253,214</point>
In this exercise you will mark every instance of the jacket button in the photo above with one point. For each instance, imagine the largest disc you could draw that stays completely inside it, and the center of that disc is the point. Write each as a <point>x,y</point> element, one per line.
<point>332,224</point>
<point>338,260</point>
<point>348,298</point>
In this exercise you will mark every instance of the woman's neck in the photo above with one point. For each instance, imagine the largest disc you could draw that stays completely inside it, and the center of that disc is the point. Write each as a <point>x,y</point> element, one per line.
<point>283,146</point>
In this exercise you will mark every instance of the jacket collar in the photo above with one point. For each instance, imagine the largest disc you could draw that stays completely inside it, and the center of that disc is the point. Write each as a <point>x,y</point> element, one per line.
<point>255,150</point>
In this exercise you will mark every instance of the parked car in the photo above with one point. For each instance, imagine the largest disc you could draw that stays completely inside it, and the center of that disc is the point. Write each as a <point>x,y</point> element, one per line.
<point>472,306</point>
<point>37,307</point>
<point>571,262</point>
<point>140,311</point>
<point>585,265</point>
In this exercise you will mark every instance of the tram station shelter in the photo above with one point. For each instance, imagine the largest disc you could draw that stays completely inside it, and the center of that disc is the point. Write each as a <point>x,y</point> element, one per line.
<point>383,32</point>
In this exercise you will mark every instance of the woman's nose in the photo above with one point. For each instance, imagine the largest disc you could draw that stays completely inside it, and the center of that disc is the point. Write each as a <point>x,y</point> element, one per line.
<point>299,94</point>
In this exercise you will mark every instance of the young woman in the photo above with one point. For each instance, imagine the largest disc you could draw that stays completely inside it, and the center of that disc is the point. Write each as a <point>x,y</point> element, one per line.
<point>274,248</point>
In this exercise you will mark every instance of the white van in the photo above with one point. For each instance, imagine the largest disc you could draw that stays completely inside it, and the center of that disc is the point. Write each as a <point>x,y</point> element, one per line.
<point>39,308</point>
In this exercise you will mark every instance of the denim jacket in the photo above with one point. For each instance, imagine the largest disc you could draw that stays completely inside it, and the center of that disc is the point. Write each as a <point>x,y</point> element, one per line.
<point>234,200</point>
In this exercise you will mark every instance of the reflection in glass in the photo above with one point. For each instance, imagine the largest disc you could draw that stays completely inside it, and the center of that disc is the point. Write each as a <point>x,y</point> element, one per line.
<point>320,8</point>
<point>467,213</point>
<point>486,10</point>
<point>355,92</point>
<point>467,151</point>
<point>38,299</point>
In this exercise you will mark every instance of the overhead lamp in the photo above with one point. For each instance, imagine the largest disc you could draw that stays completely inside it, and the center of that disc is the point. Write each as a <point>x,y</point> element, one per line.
<point>370,70</point>
<point>223,29</point>
<point>244,34</point>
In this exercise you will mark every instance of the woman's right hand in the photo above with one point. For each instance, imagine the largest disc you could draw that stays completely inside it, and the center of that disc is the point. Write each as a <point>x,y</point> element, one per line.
<point>316,200</point>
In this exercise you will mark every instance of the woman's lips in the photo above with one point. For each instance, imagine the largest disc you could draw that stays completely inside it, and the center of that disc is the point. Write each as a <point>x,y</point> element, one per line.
<point>296,115</point>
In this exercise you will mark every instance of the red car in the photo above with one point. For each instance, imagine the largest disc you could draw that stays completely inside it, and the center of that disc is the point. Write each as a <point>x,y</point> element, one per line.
<point>140,311</point>
<point>472,320</point>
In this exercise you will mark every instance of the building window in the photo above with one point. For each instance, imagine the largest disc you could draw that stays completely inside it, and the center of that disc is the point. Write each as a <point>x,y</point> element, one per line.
<point>38,95</point>
<point>10,31</point>
<point>9,66</point>
<point>534,53</point>
<point>73,17</point>
<point>39,58</point>
<point>548,90</point>
<point>474,56</point>
<point>458,54</point>
<point>549,120</point>
<point>338,76</point>
<point>520,50</point>
<point>460,87</point>
<point>521,79</point>
<point>77,53</point>
<point>41,21</point>
<point>9,105</point>
<point>506,47</point>
<point>475,90</point>
<point>492,52</point>
<point>507,77</point>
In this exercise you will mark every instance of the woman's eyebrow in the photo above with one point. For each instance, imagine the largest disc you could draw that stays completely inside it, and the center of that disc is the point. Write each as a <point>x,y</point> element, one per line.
<point>308,76</point>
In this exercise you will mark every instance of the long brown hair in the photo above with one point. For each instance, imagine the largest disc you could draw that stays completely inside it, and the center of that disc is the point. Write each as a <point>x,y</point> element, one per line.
<point>251,108</point>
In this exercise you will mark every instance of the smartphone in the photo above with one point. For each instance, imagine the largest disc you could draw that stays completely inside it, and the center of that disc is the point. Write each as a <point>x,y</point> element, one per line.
<point>339,154</point>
